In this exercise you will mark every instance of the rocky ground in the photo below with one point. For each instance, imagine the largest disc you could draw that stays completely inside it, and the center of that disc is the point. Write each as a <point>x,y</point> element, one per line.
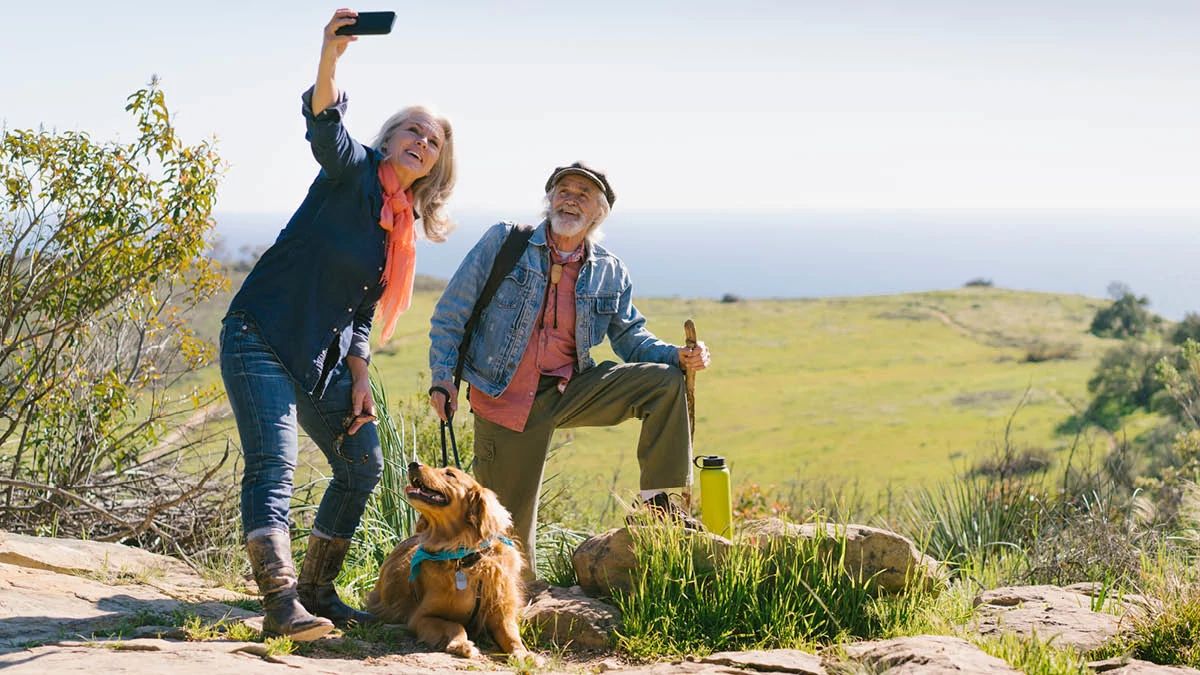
<point>71,606</point>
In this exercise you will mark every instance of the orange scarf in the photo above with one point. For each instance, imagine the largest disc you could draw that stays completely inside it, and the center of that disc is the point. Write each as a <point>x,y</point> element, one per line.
<point>397,218</point>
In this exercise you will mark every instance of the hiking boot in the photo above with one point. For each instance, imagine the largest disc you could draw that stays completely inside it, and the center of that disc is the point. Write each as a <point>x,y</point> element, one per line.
<point>271,561</point>
<point>322,563</point>
<point>662,507</point>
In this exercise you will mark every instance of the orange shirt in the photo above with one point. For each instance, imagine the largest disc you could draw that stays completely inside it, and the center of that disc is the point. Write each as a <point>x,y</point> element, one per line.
<point>551,351</point>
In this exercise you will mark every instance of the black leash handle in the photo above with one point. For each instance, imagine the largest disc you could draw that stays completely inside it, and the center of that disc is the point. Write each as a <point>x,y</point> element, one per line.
<point>448,423</point>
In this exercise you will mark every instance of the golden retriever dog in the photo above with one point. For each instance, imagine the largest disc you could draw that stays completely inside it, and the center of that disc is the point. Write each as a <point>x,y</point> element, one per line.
<point>468,576</point>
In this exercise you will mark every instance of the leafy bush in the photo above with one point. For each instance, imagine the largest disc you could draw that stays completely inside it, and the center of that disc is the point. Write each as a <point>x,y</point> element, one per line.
<point>1124,382</point>
<point>101,255</point>
<point>1188,329</point>
<point>978,282</point>
<point>1126,317</point>
<point>1039,351</point>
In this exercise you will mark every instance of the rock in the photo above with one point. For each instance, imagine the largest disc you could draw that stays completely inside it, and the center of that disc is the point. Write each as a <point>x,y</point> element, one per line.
<point>774,660</point>
<point>606,562</point>
<point>206,658</point>
<point>567,617</point>
<point>925,654</point>
<point>682,667</point>
<point>1063,615</point>
<point>38,606</point>
<point>110,563</point>
<point>1127,666</point>
<point>887,558</point>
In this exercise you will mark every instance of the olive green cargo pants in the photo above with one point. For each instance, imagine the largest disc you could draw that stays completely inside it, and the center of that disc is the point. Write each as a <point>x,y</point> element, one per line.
<point>511,463</point>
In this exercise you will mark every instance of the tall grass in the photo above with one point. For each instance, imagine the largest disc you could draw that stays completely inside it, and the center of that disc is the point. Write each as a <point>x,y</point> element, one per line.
<point>973,518</point>
<point>791,595</point>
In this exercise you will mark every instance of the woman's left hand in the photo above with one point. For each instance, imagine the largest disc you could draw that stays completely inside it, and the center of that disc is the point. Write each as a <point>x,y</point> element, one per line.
<point>694,358</point>
<point>362,403</point>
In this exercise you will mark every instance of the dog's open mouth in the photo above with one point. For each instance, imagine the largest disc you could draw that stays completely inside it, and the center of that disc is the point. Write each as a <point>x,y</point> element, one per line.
<point>418,490</point>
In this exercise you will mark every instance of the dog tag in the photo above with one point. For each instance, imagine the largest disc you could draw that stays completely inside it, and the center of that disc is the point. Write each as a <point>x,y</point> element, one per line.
<point>460,580</point>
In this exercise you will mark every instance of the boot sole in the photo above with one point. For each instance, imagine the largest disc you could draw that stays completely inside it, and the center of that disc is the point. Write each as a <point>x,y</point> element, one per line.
<point>305,635</point>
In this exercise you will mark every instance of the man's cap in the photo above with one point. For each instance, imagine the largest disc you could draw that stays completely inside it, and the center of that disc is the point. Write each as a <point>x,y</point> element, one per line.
<point>581,169</point>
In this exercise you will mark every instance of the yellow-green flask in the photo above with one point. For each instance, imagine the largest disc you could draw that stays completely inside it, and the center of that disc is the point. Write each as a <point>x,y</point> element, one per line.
<point>716,499</point>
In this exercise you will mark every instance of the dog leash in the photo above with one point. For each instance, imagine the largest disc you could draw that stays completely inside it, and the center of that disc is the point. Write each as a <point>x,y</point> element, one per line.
<point>447,424</point>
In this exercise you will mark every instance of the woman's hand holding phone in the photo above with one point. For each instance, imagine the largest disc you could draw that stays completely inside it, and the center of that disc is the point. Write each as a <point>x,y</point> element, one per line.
<point>334,45</point>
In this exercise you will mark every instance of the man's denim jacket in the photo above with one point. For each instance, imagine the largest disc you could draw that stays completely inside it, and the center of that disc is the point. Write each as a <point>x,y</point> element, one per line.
<point>603,306</point>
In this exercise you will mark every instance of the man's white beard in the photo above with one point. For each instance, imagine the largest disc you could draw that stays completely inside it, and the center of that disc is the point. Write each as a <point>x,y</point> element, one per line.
<point>566,229</point>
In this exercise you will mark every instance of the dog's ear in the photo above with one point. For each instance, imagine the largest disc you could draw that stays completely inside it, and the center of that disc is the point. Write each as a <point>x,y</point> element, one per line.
<point>485,513</point>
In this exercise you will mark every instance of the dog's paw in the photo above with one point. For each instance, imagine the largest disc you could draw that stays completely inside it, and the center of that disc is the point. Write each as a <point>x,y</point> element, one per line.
<point>528,659</point>
<point>463,648</point>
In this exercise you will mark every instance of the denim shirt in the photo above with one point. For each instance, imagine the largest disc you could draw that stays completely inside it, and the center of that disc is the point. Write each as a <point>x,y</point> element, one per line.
<point>603,307</point>
<point>313,293</point>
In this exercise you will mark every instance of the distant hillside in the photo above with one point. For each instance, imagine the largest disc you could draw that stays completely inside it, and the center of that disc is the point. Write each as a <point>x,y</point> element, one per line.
<point>874,391</point>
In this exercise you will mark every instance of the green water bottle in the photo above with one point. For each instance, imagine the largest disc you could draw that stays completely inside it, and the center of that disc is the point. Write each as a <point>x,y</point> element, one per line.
<point>716,499</point>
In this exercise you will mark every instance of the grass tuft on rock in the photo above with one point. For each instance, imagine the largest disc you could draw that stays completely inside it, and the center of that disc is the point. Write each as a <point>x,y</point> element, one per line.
<point>793,595</point>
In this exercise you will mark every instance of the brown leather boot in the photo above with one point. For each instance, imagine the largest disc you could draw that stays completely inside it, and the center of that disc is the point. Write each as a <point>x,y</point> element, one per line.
<point>661,507</point>
<point>271,560</point>
<point>322,563</point>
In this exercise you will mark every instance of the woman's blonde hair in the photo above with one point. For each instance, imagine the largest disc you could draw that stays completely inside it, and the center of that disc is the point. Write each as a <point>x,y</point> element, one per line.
<point>431,192</point>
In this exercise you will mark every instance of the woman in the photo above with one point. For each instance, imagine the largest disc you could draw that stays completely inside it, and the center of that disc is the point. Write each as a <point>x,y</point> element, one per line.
<point>294,344</point>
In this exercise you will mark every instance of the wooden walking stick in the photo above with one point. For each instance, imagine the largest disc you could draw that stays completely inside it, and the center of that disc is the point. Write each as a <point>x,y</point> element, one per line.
<point>689,331</point>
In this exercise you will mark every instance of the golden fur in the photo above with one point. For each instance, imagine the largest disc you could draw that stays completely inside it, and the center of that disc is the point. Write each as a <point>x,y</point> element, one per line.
<point>431,606</point>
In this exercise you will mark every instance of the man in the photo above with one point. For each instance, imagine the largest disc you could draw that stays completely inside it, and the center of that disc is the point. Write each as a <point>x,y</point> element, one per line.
<point>528,362</point>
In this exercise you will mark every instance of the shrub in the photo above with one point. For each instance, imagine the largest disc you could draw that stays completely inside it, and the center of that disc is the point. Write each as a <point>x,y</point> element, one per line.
<point>1020,463</point>
<point>1188,329</point>
<point>1124,382</point>
<point>1126,317</point>
<point>101,255</point>
<point>1039,351</point>
<point>978,282</point>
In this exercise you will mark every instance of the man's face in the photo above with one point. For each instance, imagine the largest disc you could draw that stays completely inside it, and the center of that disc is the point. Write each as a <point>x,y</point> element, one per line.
<point>574,205</point>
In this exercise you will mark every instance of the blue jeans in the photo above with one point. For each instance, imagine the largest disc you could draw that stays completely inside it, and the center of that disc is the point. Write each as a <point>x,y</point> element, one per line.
<point>269,405</point>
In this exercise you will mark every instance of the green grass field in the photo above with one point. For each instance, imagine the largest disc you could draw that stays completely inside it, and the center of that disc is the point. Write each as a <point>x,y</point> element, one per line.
<point>870,393</point>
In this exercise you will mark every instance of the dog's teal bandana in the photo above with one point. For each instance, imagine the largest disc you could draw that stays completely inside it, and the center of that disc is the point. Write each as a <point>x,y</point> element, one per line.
<point>421,555</point>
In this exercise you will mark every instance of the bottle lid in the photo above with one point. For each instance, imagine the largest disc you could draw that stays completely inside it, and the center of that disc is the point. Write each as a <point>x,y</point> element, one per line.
<point>710,462</point>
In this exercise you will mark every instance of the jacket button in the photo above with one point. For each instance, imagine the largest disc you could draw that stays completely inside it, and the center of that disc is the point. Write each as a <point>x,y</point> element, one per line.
<point>364,288</point>
<point>349,309</point>
<point>334,330</point>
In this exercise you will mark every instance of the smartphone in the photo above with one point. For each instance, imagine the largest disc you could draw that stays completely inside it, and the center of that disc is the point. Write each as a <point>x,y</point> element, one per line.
<point>370,23</point>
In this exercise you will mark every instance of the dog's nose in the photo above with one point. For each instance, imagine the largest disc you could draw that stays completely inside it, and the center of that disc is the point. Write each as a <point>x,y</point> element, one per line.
<point>413,466</point>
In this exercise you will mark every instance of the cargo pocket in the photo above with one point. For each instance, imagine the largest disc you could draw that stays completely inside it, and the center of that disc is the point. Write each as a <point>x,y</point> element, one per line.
<point>485,449</point>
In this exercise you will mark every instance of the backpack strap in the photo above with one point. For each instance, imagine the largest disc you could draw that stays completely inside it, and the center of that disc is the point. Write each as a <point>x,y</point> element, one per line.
<point>510,252</point>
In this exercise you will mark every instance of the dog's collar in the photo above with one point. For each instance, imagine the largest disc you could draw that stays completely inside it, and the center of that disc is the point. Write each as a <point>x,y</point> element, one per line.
<point>421,555</point>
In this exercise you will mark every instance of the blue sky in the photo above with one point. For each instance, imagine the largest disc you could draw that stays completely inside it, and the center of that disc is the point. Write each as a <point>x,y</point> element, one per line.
<point>688,105</point>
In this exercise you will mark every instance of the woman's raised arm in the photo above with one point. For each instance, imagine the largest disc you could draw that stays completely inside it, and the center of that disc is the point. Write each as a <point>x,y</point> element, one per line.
<point>325,92</point>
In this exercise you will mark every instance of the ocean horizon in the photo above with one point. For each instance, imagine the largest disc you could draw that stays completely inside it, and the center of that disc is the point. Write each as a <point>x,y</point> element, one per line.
<point>832,253</point>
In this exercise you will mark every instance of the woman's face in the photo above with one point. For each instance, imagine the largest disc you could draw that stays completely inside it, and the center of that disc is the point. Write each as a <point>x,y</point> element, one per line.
<point>415,145</point>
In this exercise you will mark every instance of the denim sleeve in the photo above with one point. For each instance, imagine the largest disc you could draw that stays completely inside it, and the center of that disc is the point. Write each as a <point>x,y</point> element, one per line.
<point>454,308</point>
<point>337,153</point>
<point>360,340</point>
<point>631,340</point>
